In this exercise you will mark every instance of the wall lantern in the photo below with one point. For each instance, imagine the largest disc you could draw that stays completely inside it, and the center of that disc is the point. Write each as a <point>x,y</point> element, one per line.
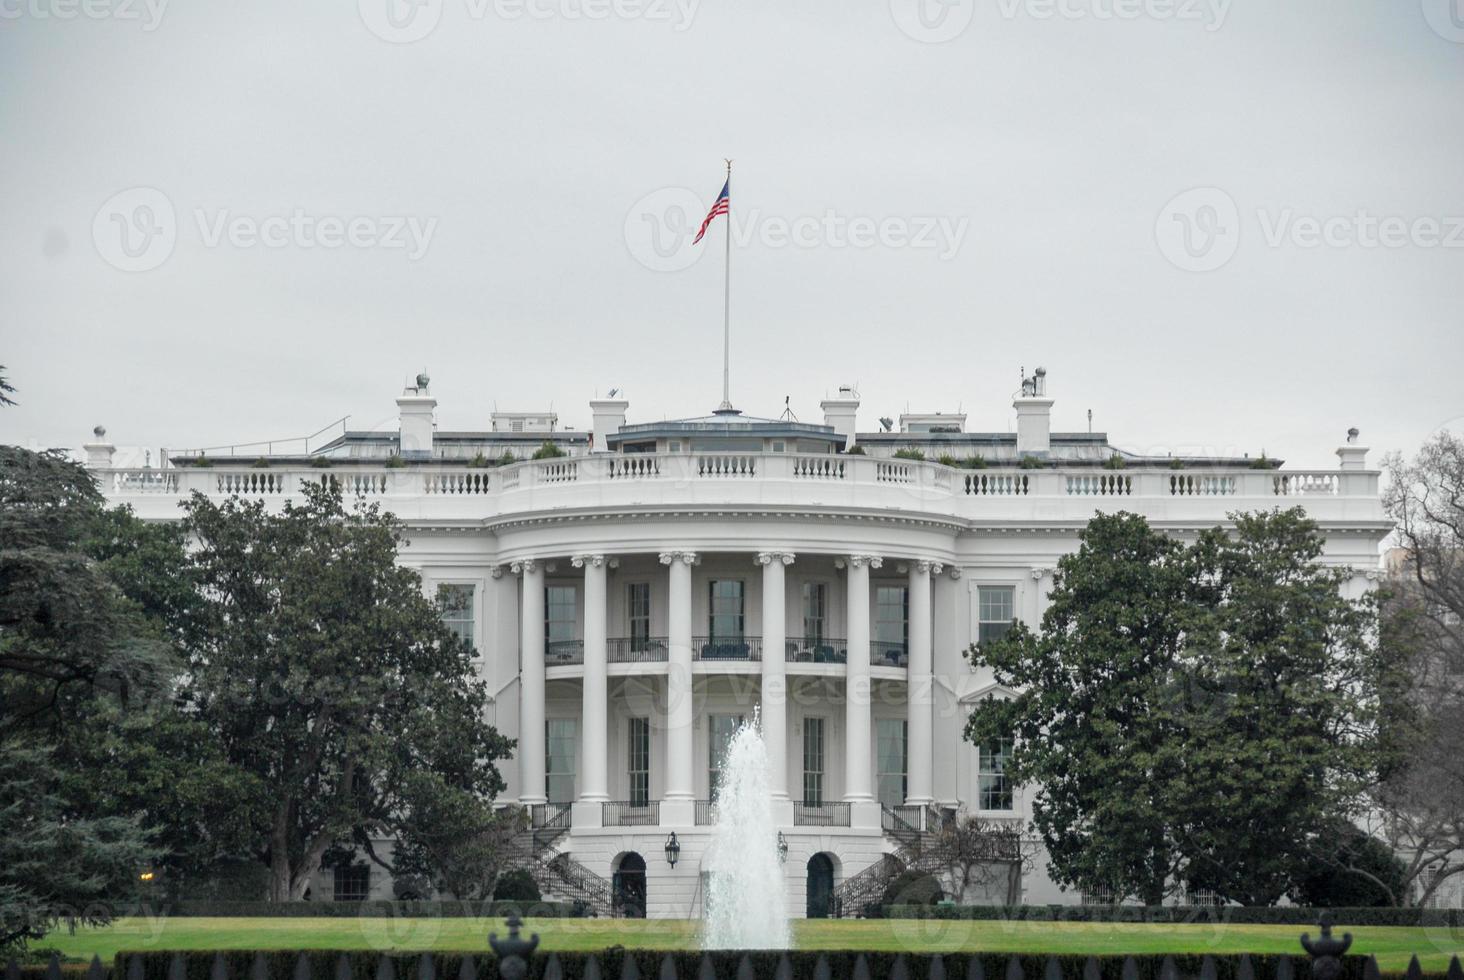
<point>673,849</point>
<point>782,848</point>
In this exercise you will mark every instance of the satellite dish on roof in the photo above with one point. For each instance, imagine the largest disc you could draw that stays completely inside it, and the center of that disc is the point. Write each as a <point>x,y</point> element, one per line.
<point>422,380</point>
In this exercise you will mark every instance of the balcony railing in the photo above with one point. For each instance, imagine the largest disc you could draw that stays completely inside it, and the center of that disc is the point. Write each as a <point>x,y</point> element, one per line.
<point>624,813</point>
<point>886,654</point>
<point>636,649</point>
<point>558,653</point>
<point>915,481</point>
<point>820,814</point>
<point>703,813</point>
<point>817,650</point>
<point>745,648</point>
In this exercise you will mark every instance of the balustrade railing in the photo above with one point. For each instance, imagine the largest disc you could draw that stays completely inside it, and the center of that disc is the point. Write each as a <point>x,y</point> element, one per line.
<point>559,653</point>
<point>915,480</point>
<point>636,649</point>
<point>702,816</point>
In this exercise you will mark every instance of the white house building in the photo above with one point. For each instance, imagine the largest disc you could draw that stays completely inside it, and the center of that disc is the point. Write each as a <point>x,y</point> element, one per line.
<point>637,598</point>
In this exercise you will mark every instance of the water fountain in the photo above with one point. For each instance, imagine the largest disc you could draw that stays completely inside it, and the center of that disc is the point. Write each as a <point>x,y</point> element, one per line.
<point>746,904</point>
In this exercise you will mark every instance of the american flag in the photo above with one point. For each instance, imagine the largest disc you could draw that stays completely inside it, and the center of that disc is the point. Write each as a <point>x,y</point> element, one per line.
<point>724,203</point>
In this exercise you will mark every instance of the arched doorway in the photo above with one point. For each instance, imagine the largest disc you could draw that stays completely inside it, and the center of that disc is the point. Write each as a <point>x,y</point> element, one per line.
<point>628,886</point>
<point>820,886</point>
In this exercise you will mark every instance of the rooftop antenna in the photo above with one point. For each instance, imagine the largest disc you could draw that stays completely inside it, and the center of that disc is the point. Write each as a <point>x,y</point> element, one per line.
<point>788,409</point>
<point>1090,421</point>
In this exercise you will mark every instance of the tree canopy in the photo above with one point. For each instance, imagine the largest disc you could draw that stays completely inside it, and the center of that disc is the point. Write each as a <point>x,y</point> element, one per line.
<point>1189,713</point>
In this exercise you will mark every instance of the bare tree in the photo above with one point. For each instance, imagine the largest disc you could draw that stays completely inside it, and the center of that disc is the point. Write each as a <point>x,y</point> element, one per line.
<point>1421,801</point>
<point>993,855</point>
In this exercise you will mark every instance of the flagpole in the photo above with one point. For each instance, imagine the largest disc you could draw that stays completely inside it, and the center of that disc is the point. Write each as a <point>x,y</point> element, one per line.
<point>727,305</point>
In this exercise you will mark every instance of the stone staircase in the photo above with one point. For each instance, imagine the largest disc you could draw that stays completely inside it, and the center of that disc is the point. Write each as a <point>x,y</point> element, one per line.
<point>918,846</point>
<point>558,875</point>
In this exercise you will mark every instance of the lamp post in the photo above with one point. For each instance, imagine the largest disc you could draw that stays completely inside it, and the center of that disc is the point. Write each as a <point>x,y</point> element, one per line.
<point>782,848</point>
<point>673,849</point>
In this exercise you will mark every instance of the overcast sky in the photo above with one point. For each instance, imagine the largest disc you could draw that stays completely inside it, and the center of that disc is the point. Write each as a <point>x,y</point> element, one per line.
<point>1229,226</point>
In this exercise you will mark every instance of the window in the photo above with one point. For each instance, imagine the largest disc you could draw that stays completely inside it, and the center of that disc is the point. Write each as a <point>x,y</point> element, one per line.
<point>640,616</point>
<point>891,760</point>
<point>456,602</point>
<point>993,790</point>
<point>561,619</point>
<point>352,882</point>
<point>814,612</point>
<point>994,604</point>
<point>639,752</point>
<point>813,761</point>
<point>720,729</point>
<point>725,619</point>
<point>559,739</point>
<point>779,446</point>
<point>891,621</point>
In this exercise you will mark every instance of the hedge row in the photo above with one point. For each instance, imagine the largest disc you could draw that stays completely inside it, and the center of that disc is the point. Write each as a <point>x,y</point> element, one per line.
<point>400,910</point>
<point>616,964</point>
<point>1232,914</point>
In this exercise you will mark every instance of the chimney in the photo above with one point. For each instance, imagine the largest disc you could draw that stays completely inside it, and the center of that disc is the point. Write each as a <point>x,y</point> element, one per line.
<point>416,406</point>
<point>99,453</point>
<point>1353,456</point>
<point>609,416</point>
<point>1034,416</point>
<point>840,413</point>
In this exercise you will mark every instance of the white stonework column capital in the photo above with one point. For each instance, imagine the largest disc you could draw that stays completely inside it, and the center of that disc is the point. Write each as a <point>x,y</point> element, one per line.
<point>525,565</point>
<point>927,567</point>
<point>859,561</point>
<point>594,561</point>
<point>1039,573</point>
<point>496,571</point>
<point>672,557</point>
<point>956,572</point>
<point>768,557</point>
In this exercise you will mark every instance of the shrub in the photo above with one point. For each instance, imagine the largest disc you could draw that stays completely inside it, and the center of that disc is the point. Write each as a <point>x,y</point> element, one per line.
<point>478,462</point>
<point>946,459</point>
<point>516,886</point>
<point>1176,464</point>
<point>1321,884</point>
<point>913,888</point>
<point>260,464</point>
<point>321,462</point>
<point>203,461</point>
<point>507,459</point>
<point>909,454</point>
<point>1114,462</point>
<point>977,462</point>
<point>1030,463</point>
<point>855,450</point>
<point>395,463</point>
<point>1290,915</point>
<point>440,909</point>
<point>549,451</point>
<point>1262,463</point>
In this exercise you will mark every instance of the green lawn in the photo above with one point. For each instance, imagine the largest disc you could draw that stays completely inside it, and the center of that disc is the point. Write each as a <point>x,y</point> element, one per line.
<point>1392,947</point>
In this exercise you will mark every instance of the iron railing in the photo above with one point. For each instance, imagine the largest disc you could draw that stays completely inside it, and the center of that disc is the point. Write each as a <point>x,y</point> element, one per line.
<point>817,650</point>
<point>558,653</point>
<point>703,813</point>
<point>820,814</point>
<point>626,813</point>
<point>744,648</point>
<point>883,653</point>
<point>636,649</point>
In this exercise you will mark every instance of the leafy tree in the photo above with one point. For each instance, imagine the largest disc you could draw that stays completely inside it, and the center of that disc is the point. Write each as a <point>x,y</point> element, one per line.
<point>327,674</point>
<point>1092,721</point>
<point>1347,867</point>
<point>1191,713</point>
<point>72,648</point>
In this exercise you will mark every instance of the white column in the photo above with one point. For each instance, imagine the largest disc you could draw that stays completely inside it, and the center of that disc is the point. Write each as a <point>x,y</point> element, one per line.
<point>595,731</point>
<point>774,669</point>
<point>531,683</point>
<point>680,718</point>
<point>858,745</point>
<point>921,718</point>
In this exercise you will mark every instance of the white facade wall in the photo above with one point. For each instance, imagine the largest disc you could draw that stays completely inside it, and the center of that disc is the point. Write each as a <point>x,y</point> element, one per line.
<point>1009,528</point>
